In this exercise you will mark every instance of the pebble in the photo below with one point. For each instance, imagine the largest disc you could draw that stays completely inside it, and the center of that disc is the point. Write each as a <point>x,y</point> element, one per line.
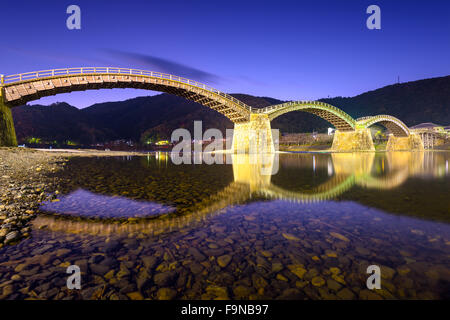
<point>369,295</point>
<point>166,294</point>
<point>289,236</point>
<point>339,236</point>
<point>99,269</point>
<point>346,294</point>
<point>112,246</point>
<point>224,260</point>
<point>149,262</point>
<point>135,295</point>
<point>333,285</point>
<point>298,270</point>
<point>281,277</point>
<point>220,293</point>
<point>317,281</point>
<point>387,272</point>
<point>16,277</point>
<point>403,270</point>
<point>164,279</point>
<point>241,292</point>
<point>13,235</point>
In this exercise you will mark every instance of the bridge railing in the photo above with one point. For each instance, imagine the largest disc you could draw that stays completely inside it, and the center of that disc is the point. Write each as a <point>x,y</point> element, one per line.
<point>364,118</point>
<point>370,120</point>
<point>11,79</point>
<point>385,117</point>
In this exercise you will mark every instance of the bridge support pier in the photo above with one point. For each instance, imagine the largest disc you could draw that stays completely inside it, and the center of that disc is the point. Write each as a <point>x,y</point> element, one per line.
<point>352,141</point>
<point>7,131</point>
<point>254,136</point>
<point>413,142</point>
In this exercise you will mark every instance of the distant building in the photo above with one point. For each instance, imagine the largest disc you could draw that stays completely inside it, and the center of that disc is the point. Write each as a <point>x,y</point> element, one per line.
<point>425,125</point>
<point>432,134</point>
<point>162,143</point>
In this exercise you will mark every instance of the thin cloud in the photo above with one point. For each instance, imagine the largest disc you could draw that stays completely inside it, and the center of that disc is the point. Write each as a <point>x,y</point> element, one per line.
<point>164,65</point>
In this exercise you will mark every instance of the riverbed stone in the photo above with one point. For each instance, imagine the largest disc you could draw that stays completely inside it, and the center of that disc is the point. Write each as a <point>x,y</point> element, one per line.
<point>241,292</point>
<point>290,236</point>
<point>224,260</point>
<point>112,246</point>
<point>298,270</point>
<point>166,294</point>
<point>164,279</point>
<point>136,295</point>
<point>219,293</point>
<point>99,269</point>
<point>366,294</point>
<point>346,294</point>
<point>12,236</point>
<point>333,285</point>
<point>387,272</point>
<point>149,261</point>
<point>317,281</point>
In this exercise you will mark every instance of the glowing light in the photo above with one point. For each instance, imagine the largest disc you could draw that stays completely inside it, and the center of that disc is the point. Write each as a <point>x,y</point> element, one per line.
<point>330,168</point>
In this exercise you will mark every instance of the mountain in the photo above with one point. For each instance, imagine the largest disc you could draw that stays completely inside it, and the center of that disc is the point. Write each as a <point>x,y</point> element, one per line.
<point>413,102</point>
<point>59,121</point>
<point>162,113</point>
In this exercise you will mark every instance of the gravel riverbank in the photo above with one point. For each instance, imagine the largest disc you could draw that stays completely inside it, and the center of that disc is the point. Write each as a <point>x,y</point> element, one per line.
<point>25,181</point>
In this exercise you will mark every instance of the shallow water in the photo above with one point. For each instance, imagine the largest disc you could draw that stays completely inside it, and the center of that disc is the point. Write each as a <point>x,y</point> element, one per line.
<point>142,227</point>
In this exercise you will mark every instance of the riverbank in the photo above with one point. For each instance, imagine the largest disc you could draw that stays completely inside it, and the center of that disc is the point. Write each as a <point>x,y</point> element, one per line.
<point>25,182</point>
<point>294,148</point>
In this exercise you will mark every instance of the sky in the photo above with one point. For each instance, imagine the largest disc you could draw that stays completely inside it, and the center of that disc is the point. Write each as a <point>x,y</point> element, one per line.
<point>289,50</point>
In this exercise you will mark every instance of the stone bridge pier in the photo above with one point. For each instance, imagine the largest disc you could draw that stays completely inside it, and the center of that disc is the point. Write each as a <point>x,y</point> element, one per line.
<point>413,142</point>
<point>361,140</point>
<point>352,141</point>
<point>254,136</point>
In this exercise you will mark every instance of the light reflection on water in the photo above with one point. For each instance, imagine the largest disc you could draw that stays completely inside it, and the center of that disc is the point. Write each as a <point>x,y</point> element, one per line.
<point>301,178</point>
<point>87,204</point>
<point>319,211</point>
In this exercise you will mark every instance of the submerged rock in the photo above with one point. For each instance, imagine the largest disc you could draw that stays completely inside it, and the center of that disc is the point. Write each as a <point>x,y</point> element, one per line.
<point>224,260</point>
<point>166,294</point>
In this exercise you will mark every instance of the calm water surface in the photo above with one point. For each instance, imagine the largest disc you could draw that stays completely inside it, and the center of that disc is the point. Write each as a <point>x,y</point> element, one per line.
<point>142,227</point>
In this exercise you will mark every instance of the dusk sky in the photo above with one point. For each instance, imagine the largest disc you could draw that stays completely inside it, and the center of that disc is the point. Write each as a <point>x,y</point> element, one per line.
<point>289,50</point>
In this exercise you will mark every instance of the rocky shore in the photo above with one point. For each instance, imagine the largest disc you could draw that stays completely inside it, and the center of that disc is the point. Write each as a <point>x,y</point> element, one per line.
<point>26,181</point>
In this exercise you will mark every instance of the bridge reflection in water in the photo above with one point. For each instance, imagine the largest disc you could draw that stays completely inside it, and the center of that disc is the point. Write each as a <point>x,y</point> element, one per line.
<point>253,181</point>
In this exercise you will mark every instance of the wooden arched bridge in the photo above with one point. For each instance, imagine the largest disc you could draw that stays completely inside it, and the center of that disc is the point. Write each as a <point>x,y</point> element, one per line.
<point>22,88</point>
<point>252,125</point>
<point>395,126</point>
<point>338,118</point>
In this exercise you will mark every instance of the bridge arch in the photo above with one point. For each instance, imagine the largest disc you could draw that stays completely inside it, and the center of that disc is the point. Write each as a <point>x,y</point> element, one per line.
<point>326,191</point>
<point>338,118</point>
<point>19,89</point>
<point>393,124</point>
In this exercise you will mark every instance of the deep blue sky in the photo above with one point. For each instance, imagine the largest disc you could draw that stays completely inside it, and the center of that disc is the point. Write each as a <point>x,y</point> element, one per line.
<point>282,49</point>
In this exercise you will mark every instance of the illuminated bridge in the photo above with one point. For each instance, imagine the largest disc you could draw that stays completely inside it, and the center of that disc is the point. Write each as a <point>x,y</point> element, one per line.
<point>252,125</point>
